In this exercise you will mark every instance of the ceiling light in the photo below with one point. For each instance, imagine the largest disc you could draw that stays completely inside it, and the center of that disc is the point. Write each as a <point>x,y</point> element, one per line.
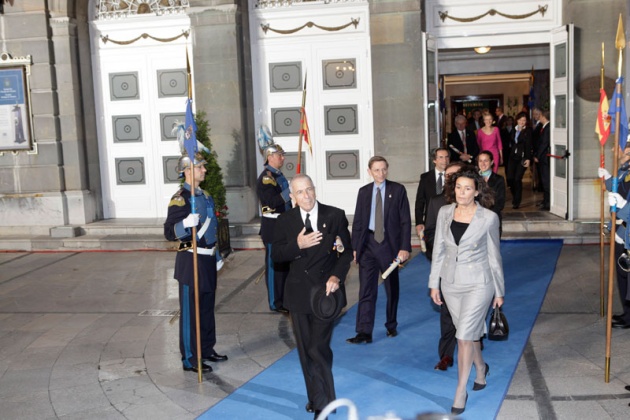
<point>482,50</point>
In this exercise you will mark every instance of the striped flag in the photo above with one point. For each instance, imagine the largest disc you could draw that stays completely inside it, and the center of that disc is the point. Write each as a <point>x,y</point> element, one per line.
<point>623,116</point>
<point>304,131</point>
<point>602,126</point>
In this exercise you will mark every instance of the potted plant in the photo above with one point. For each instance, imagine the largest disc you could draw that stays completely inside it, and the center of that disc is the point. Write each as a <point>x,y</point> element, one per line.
<point>213,184</point>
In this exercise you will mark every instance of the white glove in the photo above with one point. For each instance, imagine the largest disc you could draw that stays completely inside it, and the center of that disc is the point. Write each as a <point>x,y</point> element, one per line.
<point>603,173</point>
<point>191,220</point>
<point>618,239</point>
<point>615,199</point>
<point>220,264</point>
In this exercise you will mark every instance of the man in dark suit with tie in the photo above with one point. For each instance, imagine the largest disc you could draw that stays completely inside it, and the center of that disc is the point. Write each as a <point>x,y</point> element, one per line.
<point>476,121</point>
<point>542,160</point>
<point>431,184</point>
<point>305,237</point>
<point>381,232</point>
<point>500,117</point>
<point>462,142</point>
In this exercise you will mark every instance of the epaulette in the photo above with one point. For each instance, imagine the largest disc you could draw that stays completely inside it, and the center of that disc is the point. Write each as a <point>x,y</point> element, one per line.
<point>177,199</point>
<point>269,179</point>
<point>627,178</point>
<point>206,193</point>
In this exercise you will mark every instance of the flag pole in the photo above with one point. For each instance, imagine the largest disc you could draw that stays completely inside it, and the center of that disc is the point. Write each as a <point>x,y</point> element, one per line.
<point>194,238</point>
<point>602,164</point>
<point>620,44</point>
<point>299,156</point>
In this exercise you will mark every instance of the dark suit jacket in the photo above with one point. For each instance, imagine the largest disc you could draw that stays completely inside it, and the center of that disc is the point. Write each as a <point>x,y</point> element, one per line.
<point>311,267</point>
<point>435,204</point>
<point>497,184</point>
<point>396,217</point>
<point>472,126</point>
<point>426,191</point>
<point>543,146</point>
<point>535,137</point>
<point>523,149</point>
<point>500,122</point>
<point>471,145</point>
<point>506,136</point>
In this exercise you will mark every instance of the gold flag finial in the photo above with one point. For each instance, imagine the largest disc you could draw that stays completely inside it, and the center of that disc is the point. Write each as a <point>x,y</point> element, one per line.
<point>620,39</point>
<point>620,44</point>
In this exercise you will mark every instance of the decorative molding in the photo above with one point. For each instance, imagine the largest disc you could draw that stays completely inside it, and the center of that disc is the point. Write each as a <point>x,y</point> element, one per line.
<point>7,59</point>
<point>272,4</point>
<point>106,39</point>
<point>265,27</point>
<point>541,9</point>
<point>116,9</point>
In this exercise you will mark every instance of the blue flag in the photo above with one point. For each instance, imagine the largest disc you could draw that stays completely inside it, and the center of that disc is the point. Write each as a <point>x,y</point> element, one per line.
<point>623,116</point>
<point>532,97</point>
<point>190,140</point>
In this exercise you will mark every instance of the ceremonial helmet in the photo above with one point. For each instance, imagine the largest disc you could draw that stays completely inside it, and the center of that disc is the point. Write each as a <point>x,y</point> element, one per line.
<point>266,143</point>
<point>274,148</point>
<point>184,162</point>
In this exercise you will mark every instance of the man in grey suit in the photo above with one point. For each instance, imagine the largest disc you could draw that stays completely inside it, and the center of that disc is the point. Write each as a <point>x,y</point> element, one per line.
<point>305,238</point>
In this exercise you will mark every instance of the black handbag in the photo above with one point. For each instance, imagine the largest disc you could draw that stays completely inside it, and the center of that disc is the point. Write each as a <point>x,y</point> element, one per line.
<point>499,328</point>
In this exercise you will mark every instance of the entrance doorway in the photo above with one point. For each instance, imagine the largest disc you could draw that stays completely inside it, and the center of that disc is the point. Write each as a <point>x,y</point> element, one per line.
<point>510,91</point>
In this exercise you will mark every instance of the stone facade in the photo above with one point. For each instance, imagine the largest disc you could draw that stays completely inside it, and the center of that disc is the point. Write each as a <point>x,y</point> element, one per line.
<point>60,184</point>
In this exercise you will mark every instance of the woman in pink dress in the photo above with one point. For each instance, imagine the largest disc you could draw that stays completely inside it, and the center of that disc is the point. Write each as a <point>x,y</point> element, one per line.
<point>489,138</point>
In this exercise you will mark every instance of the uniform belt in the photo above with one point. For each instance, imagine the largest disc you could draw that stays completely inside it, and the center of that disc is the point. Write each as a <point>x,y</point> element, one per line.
<point>203,251</point>
<point>187,246</point>
<point>271,215</point>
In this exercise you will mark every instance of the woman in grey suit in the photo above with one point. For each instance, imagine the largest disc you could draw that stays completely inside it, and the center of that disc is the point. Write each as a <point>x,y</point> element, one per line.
<point>467,266</point>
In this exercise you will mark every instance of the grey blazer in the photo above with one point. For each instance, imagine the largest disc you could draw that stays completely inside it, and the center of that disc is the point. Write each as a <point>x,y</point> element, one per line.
<point>477,259</point>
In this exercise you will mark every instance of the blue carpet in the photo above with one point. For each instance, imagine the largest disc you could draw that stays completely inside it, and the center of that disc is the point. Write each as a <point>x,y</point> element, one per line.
<point>396,374</point>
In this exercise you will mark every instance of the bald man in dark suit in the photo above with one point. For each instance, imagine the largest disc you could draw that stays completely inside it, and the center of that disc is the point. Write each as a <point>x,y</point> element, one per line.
<point>305,238</point>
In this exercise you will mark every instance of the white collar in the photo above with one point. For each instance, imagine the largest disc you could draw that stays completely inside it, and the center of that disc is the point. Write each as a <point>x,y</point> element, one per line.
<point>313,215</point>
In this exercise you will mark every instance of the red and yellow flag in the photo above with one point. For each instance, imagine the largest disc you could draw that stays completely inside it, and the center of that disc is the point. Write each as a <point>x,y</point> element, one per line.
<point>602,127</point>
<point>304,131</point>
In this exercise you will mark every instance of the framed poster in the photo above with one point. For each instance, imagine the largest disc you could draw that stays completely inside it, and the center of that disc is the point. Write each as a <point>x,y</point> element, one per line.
<point>15,111</point>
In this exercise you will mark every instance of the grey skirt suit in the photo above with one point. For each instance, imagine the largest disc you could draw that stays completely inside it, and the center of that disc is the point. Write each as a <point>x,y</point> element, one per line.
<point>469,274</point>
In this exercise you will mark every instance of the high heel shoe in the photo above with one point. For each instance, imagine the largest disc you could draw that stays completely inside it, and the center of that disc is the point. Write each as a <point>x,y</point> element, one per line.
<point>457,411</point>
<point>478,386</point>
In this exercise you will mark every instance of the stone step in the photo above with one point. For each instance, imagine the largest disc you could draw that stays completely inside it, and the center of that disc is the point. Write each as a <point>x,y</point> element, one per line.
<point>137,234</point>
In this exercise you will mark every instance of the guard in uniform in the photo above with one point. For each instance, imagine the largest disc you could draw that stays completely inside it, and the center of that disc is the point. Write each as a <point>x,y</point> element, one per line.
<point>273,192</point>
<point>622,235</point>
<point>178,227</point>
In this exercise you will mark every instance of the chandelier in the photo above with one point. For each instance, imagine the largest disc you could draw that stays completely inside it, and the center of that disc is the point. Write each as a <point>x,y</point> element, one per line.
<point>112,9</point>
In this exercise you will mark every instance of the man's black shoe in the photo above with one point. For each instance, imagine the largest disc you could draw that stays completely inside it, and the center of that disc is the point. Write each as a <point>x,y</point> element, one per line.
<point>360,338</point>
<point>621,325</point>
<point>617,318</point>
<point>317,413</point>
<point>309,407</point>
<point>392,332</point>
<point>204,368</point>
<point>282,310</point>
<point>214,357</point>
